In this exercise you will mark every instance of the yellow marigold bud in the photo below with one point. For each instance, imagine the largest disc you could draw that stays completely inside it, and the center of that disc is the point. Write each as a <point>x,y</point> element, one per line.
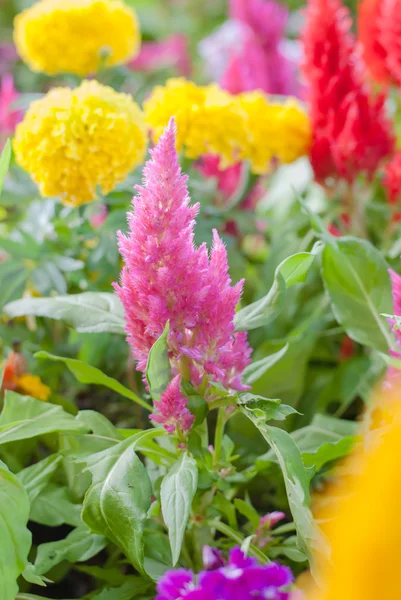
<point>76,36</point>
<point>279,131</point>
<point>31,385</point>
<point>72,141</point>
<point>209,120</point>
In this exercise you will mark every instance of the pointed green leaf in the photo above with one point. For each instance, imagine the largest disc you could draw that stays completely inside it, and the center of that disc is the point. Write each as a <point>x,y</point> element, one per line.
<point>36,477</point>
<point>14,535</point>
<point>292,270</point>
<point>177,492</point>
<point>118,500</point>
<point>296,480</point>
<point>23,417</point>
<point>79,545</point>
<point>85,373</point>
<point>158,370</point>
<point>90,312</point>
<point>356,278</point>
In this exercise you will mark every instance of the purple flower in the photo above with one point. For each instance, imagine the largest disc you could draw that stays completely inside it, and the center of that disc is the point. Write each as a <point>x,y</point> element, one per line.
<point>241,579</point>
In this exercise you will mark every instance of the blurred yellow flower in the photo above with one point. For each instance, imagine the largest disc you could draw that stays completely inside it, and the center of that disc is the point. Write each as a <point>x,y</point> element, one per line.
<point>245,127</point>
<point>209,120</point>
<point>364,524</point>
<point>31,385</point>
<point>72,141</point>
<point>280,131</point>
<point>76,36</point>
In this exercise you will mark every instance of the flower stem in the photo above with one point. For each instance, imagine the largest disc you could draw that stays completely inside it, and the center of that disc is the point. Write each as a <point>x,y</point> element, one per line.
<point>219,433</point>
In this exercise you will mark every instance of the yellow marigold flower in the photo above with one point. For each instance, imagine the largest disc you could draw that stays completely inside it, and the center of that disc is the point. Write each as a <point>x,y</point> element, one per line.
<point>31,385</point>
<point>245,127</point>
<point>72,141</point>
<point>274,130</point>
<point>209,120</point>
<point>76,36</point>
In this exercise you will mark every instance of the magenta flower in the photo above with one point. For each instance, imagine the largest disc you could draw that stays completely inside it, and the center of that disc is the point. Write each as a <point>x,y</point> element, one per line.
<point>242,578</point>
<point>266,18</point>
<point>9,117</point>
<point>173,51</point>
<point>247,52</point>
<point>167,278</point>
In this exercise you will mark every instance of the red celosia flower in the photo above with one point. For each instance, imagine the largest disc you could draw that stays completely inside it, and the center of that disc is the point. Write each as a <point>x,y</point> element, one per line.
<point>392,179</point>
<point>391,36</point>
<point>351,133</point>
<point>370,23</point>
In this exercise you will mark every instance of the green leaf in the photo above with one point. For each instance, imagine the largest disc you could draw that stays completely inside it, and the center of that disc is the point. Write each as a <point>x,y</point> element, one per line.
<point>90,312</point>
<point>273,410</point>
<point>177,492</point>
<point>158,370</point>
<point>36,477</point>
<point>53,507</point>
<point>23,418</point>
<point>247,511</point>
<point>87,374</point>
<point>258,368</point>
<point>5,159</point>
<point>292,270</point>
<point>296,480</point>
<point>356,278</point>
<point>79,545</point>
<point>118,500</point>
<point>14,535</point>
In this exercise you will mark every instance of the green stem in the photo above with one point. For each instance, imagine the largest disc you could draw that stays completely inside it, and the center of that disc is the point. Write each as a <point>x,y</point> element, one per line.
<point>237,537</point>
<point>219,433</point>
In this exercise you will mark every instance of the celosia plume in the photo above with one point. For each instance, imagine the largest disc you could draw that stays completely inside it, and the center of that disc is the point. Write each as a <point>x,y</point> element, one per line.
<point>370,21</point>
<point>392,178</point>
<point>351,133</point>
<point>167,278</point>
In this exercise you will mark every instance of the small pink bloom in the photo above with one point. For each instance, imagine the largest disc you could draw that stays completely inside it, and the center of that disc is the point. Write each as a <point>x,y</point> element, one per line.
<point>8,57</point>
<point>271,519</point>
<point>99,217</point>
<point>173,51</point>
<point>172,410</point>
<point>9,117</point>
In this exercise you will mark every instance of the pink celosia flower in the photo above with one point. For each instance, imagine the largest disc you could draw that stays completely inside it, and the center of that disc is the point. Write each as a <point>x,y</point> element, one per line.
<point>173,51</point>
<point>172,410</point>
<point>167,278</point>
<point>9,117</point>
